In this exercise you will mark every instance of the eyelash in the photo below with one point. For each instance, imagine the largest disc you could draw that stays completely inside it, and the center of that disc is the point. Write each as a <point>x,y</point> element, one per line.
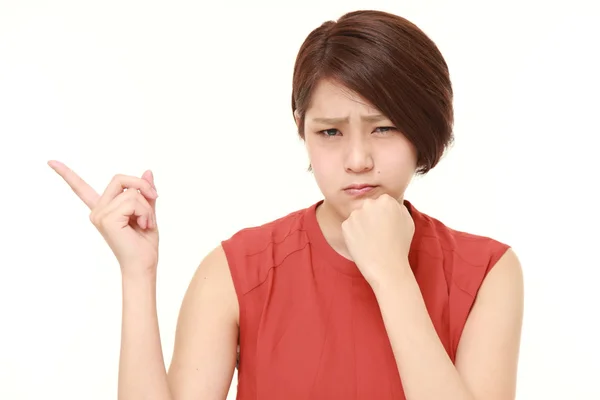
<point>324,132</point>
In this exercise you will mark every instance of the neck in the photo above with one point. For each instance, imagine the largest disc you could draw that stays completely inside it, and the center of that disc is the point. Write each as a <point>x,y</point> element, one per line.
<point>330,222</point>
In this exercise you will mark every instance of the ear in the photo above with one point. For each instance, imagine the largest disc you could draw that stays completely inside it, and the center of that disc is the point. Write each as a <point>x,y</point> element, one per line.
<point>297,118</point>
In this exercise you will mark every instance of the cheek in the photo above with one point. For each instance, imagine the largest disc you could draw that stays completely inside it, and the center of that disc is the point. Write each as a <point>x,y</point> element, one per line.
<point>311,148</point>
<point>396,167</point>
<point>400,164</point>
<point>399,154</point>
<point>324,170</point>
<point>319,157</point>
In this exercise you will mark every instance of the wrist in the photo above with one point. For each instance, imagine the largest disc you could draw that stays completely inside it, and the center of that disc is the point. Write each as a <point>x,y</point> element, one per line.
<point>138,290</point>
<point>135,273</point>
<point>137,279</point>
<point>394,275</point>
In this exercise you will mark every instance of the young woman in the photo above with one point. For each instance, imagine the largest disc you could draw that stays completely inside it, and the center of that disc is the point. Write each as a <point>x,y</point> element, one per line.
<point>359,296</point>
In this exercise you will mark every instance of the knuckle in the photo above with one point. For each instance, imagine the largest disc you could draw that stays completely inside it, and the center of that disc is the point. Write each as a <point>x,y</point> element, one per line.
<point>99,221</point>
<point>116,178</point>
<point>97,217</point>
<point>93,218</point>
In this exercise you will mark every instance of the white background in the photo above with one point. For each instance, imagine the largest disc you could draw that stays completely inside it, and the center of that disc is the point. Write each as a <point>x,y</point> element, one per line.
<point>201,95</point>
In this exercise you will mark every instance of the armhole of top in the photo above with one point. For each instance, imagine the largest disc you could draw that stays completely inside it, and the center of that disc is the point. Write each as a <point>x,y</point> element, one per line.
<point>466,300</point>
<point>497,254</point>
<point>235,261</point>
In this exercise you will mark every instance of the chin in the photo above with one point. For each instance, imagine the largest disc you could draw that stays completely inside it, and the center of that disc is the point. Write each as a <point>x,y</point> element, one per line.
<point>344,205</point>
<point>343,208</point>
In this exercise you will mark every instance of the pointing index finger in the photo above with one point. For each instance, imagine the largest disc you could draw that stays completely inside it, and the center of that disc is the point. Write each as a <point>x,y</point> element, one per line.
<point>84,191</point>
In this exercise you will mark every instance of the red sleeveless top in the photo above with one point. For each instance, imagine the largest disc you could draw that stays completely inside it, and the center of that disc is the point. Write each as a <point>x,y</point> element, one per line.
<point>310,326</point>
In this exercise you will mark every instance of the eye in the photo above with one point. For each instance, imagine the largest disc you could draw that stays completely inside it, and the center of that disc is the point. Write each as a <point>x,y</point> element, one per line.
<point>385,129</point>
<point>328,132</point>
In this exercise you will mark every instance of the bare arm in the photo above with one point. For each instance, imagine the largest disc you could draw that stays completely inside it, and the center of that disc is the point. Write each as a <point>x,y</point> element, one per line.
<point>141,366</point>
<point>206,339</point>
<point>486,361</point>
<point>488,353</point>
<point>207,334</point>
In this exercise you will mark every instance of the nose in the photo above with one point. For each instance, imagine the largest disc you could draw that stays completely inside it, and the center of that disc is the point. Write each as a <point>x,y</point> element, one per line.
<point>358,155</point>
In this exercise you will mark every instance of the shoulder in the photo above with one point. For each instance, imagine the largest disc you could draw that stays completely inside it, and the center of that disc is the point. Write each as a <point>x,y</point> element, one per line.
<point>272,231</point>
<point>487,270</point>
<point>468,257</point>
<point>467,248</point>
<point>482,262</point>
<point>251,252</point>
<point>477,250</point>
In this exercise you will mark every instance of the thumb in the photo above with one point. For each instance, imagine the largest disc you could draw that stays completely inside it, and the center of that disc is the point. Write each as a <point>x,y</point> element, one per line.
<point>149,176</point>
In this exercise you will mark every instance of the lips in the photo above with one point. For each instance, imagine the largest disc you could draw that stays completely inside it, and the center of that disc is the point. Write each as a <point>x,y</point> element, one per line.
<point>358,186</point>
<point>359,189</point>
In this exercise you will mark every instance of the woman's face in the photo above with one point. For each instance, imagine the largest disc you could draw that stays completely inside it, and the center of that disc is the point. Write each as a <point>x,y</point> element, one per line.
<point>355,151</point>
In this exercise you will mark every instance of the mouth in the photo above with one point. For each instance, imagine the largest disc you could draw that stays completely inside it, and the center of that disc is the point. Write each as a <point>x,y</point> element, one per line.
<point>359,189</point>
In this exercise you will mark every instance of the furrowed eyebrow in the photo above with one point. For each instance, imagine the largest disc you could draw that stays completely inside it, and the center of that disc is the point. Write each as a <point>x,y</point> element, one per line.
<point>333,121</point>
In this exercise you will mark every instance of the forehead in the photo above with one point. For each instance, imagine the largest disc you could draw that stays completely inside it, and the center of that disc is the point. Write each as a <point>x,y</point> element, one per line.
<point>333,100</point>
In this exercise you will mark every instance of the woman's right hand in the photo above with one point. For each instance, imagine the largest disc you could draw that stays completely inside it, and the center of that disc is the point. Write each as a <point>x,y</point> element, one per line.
<point>124,214</point>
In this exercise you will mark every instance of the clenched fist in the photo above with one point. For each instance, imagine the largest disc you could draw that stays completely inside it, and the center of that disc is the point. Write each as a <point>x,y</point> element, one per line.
<point>378,236</point>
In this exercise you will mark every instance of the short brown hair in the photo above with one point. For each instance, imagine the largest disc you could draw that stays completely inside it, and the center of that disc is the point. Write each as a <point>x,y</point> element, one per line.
<point>391,63</point>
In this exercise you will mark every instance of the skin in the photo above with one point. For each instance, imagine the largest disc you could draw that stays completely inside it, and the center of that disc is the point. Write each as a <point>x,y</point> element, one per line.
<point>366,148</point>
<point>365,229</point>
